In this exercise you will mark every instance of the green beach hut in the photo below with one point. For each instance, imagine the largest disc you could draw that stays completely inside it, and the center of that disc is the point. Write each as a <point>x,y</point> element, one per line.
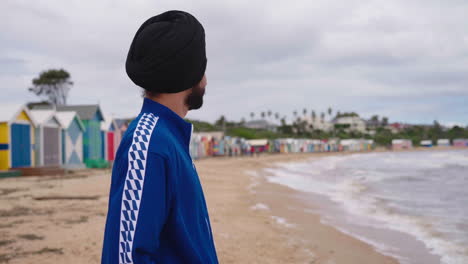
<point>91,116</point>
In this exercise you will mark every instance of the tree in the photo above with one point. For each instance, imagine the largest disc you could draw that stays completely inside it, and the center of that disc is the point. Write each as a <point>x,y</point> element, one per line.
<point>283,121</point>
<point>330,111</point>
<point>322,117</point>
<point>220,121</point>
<point>384,121</point>
<point>53,84</point>
<point>263,115</point>
<point>252,114</point>
<point>338,114</point>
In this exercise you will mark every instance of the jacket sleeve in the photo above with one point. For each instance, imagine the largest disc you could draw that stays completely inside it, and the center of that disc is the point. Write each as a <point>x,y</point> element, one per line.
<point>150,208</point>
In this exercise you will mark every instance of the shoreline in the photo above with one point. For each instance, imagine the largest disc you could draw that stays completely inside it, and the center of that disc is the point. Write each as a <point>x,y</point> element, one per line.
<point>268,203</point>
<point>307,211</point>
<point>39,224</point>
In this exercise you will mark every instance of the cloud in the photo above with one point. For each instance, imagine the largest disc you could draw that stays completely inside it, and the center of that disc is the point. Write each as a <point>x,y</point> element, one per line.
<point>407,60</point>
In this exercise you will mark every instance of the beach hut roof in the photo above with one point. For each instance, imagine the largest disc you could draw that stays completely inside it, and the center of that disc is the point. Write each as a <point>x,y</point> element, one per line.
<point>107,123</point>
<point>43,116</point>
<point>85,112</point>
<point>443,140</point>
<point>10,111</point>
<point>120,122</point>
<point>257,142</point>
<point>66,118</point>
<point>346,142</point>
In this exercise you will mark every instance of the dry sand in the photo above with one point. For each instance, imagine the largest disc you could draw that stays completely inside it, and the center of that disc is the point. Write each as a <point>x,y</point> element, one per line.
<point>61,219</point>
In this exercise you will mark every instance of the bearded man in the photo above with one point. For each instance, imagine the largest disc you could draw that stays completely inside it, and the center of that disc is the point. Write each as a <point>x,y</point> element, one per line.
<point>157,211</point>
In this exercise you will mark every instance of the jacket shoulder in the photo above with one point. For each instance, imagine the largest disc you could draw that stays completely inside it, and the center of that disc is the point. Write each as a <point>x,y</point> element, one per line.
<point>152,130</point>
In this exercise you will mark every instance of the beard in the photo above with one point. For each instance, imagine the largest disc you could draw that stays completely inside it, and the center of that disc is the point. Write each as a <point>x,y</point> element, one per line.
<point>195,99</point>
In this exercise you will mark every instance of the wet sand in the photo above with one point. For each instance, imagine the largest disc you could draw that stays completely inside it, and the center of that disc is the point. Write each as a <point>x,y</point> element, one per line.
<point>61,219</point>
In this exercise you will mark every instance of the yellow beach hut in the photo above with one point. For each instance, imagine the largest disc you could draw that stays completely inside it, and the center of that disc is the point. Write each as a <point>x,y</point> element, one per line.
<point>16,137</point>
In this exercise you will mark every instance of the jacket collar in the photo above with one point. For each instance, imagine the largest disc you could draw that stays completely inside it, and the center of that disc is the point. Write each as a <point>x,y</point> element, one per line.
<point>182,128</point>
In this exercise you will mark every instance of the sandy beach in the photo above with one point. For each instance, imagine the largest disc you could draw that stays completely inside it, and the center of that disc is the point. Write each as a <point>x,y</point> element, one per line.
<point>61,219</point>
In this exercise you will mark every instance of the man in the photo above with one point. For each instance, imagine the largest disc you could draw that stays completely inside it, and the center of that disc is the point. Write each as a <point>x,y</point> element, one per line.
<point>157,211</point>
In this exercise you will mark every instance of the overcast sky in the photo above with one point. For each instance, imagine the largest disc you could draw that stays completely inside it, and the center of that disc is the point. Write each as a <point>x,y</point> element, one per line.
<point>407,60</point>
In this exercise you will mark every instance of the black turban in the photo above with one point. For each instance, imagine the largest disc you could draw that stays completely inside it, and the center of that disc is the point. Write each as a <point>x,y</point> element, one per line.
<point>167,54</point>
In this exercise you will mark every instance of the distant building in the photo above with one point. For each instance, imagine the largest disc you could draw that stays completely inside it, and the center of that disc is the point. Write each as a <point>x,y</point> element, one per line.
<point>351,123</point>
<point>261,124</point>
<point>373,124</point>
<point>316,124</point>
<point>396,127</point>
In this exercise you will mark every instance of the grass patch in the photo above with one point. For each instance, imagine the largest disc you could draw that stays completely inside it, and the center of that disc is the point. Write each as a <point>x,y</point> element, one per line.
<point>30,237</point>
<point>59,197</point>
<point>5,242</point>
<point>7,191</point>
<point>23,211</point>
<point>49,250</point>
<point>82,219</point>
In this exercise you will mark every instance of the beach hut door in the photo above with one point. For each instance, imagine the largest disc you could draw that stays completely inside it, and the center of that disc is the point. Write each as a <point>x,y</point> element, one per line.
<point>51,146</point>
<point>20,145</point>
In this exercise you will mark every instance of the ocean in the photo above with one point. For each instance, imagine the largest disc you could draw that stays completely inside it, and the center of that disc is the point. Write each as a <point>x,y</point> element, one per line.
<point>384,197</point>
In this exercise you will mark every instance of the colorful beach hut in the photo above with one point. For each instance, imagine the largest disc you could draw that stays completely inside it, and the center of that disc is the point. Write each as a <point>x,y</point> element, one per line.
<point>122,125</point>
<point>258,145</point>
<point>399,144</point>
<point>460,142</point>
<point>110,135</point>
<point>48,136</point>
<point>426,143</point>
<point>16,137</point>
<point>72,139</point>
<point>443,142</point>
<point>91,117</point>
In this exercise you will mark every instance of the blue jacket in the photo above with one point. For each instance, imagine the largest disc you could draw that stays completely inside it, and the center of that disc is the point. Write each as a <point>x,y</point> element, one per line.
<point>157,211</point>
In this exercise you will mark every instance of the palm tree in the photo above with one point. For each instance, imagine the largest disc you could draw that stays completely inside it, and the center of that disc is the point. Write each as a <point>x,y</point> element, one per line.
<point>252,114</point>
<point>304,111</point>
<point>269,113</point>
<point>313,116</point>
<point>322,116</point>
<point>263,115</point>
